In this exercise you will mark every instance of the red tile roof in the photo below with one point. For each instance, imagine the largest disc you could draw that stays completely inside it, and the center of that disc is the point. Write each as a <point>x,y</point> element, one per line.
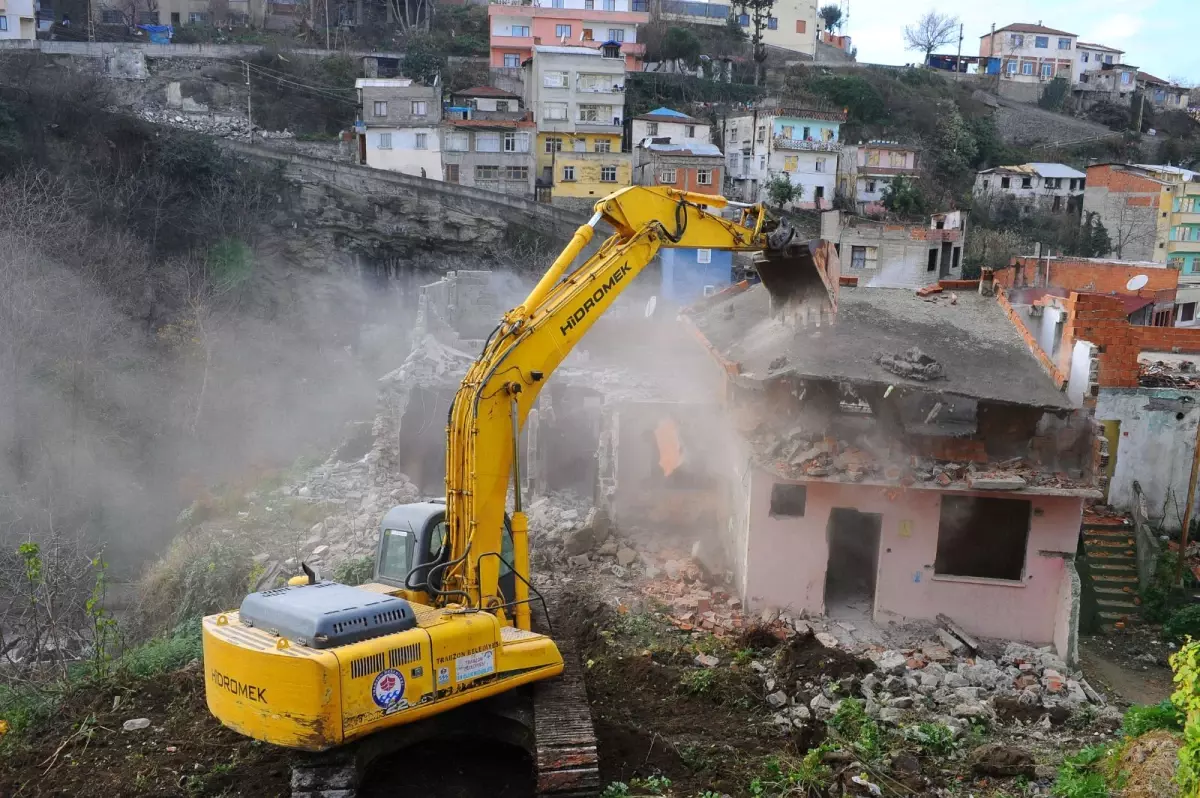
<point>1024,27</point>
<point>1088,46</point>
<point>1146,76</point>
<point>485,91</point>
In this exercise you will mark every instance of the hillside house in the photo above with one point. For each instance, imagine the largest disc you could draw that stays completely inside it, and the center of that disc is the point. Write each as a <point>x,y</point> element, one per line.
<point>516,28</point>
<point>484,102</point>
<point>493,154</point>
<point>18,19</point>
<point>866,170</point>
<point>1051,187</point>
<point>882,469</point>
<point>890,255</point>
<point>668,124</point>
<point>1031,53</point>
<point>799,144</point>
<point>1162,93</point>
<point>398,126</point>
<point>1147,290</point>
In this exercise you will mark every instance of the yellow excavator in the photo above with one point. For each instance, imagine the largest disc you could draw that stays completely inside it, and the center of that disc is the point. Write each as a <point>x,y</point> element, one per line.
<point>447,620</point>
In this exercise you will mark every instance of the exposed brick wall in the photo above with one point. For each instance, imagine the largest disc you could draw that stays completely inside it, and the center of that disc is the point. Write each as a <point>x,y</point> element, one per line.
<point>1056,371</point>
<point>1089,275</point>
<point>1116,179</point>
<point>959,285</point>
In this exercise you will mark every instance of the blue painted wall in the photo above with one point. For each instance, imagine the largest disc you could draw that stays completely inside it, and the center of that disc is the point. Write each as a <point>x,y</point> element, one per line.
<point>819,130</point>
<point>684,277</point>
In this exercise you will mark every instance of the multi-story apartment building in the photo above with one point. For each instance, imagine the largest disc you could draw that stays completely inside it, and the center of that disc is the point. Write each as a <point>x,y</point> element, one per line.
<point>181,12</point>
<point>1162,93</point>
<point>866,170</point>
<point>791,26</point>
<point>577,98</point>
<point>18,19</point>
<point>488,141</point>
<point>686,165</point>
<point>1031,53</point>
<point>668,124</point>
<point>517,26</point>
<point>1051,187</point>
<point>398,126</point>
<point>798,143</point>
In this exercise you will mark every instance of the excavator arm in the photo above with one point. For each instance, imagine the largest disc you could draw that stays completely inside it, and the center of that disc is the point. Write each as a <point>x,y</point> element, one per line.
<point>501,387</point>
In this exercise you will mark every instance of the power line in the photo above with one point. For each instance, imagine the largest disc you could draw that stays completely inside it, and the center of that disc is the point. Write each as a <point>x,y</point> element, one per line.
<point>289,76</point>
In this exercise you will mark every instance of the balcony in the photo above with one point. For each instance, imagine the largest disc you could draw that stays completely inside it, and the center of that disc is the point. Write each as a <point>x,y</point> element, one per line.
<point>599,89</point>
<point>518,42</point>
<point>782,143</point>
<point>1183,246</point>
<point>1186,218</point>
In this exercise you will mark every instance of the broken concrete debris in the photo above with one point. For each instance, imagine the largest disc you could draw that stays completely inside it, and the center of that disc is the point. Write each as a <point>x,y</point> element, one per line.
<point>912,363</point>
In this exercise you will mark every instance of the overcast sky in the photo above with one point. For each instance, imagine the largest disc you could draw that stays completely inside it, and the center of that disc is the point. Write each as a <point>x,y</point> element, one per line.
<point>1160,36</point>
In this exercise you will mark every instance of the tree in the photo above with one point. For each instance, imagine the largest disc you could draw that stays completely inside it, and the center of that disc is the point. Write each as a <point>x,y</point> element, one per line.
<point>781,190</point>
<point>931,32</point>
<point>831,15</point>
<point>759,12</point>
<point>1054,96</point>
<point>422,61</point>
<point>681,47</point>
<point>955,147</point>
<point>904,197</point>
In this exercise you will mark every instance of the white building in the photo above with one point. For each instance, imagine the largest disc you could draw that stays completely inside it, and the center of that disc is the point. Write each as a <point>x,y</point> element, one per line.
<point>1093,57</point>
<point>797,143</point>
<point>665,123</point>
<point>1051,186</point>
<point>398,126</point>
<point>18,19</point>
<point>1032,53</point>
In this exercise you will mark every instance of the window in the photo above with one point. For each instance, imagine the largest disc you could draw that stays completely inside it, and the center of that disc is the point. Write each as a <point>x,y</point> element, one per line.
<point>420,141</point>
<point>762,133</point>
<point>1027,68</point>
<point>1011,67</point>
<point>744,20</point>
<point>666,177</point>
<point>896,159</point>
<point>554,80</point>
<point>419,108</point>
<point>1016,40</point>
<point>147,17</point>
<point>1083,57</point>
<point>1005,182</point>
<point>608,174</point>
<point>589,5</point>
<point>1047,70</point>
<point>487,172</point>
<point>103,14</point>
<point>610,5</point>
<point>487,142</point>
<point>772,23</point>
<point>1064,44</point>
<point>1125,79</point>
<point>820,167</point>
<point>818,195</point>
<point>788,500</point>
<point>651,128</point>
<point>587,34</point>
<point>704,177</point>
<point>520,30</point>
<point>198,17</point>
<point>616,34</point>
<point>1041,42</point>
<point>806,133</point>
<point>1026,182</point>
<point>704,256</point>
<point>510,142</point>
<point>592,113</point>
<point>554,112</point>
<point>602,145</point>
<point>1108,59</point>
<point>610,51</point>
<point>451,172</point>
<point>931,264</point>
<point>502,106</point>
<point>512,60</point>
<point>557,3</point>
<point>801,26</point>
<point>385,141</point>
<point>380,108</point>
<point>858,257</point>
<point>569,173</point>
<point>562,30</point>
<point>791,163</point>
<point>871,186</point>
<point>458,142</point>
<point>982,537</point>
<point>516,173</point>
<point>1053,182</point>
<point>554,144</point>
<point>1187,311</point>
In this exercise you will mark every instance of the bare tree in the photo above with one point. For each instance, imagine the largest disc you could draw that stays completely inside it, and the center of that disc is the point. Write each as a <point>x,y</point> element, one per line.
<point>410,14</point>
<point>759,12</point>
<point>1132,229</point>
<point>930,32</point>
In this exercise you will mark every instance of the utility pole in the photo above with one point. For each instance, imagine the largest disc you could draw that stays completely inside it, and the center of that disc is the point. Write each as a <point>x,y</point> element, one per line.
<point>992,54</point>
<point>958,60</point>
<point>326,24</point>
<point>249,115</point>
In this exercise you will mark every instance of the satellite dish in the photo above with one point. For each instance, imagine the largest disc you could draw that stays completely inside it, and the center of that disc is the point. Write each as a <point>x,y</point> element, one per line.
<point>1137,282</point>
<point>651,303</point>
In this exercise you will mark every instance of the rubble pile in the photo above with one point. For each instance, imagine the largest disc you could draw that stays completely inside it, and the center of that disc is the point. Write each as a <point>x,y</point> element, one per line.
<point>912,363</point>
<point>801,453</point>
<point>211,124</point>
<point>931,683</point>
<point>1160,374</point>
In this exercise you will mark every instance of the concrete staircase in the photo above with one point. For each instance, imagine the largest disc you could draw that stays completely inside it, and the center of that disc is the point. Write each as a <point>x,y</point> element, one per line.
<point>1111,551</point>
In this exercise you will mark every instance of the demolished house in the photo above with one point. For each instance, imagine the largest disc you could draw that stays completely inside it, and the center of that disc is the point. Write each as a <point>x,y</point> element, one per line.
<point>913,459</point>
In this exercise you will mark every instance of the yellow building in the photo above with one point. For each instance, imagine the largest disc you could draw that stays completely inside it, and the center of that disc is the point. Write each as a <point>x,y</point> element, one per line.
<point>583,164</point>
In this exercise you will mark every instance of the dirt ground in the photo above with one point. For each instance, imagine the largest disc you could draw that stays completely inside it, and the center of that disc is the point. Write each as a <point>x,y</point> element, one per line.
<point>184,751</point>
<point>1130,668</point>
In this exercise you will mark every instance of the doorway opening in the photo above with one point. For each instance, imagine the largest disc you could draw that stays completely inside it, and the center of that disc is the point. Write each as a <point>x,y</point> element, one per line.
<point>853,560</point>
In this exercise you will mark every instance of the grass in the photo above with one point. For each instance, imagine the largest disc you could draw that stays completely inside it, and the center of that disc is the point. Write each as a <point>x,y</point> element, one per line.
<point>782,776</point>
<point>934,739</point>
<point>1083,775</point>
<point>1141,719</point>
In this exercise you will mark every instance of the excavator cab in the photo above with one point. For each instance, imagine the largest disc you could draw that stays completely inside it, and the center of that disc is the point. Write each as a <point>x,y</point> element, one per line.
<point>413,553</point>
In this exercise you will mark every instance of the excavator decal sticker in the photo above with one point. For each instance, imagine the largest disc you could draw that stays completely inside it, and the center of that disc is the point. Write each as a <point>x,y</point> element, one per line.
<point>581,312</point>
<point>388,690</point>
<point>256,694</point>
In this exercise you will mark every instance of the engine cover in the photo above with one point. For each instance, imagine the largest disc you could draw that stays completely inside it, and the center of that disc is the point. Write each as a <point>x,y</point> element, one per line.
<point>326,614</point>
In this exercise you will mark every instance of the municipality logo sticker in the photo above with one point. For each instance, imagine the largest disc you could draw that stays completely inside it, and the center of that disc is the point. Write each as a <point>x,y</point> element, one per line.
<point>388,689</point>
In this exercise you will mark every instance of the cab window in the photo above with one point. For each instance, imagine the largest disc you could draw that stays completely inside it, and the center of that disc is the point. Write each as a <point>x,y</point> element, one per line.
<point>506,550</point>
<point>396,558</point>
<point>437,539</point>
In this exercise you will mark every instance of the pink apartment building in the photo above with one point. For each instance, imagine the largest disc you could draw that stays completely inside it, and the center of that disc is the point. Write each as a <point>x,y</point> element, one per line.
<point>517,26</point>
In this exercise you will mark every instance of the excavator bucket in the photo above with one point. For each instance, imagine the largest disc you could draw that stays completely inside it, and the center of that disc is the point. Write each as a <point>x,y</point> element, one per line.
<point>800,276</point>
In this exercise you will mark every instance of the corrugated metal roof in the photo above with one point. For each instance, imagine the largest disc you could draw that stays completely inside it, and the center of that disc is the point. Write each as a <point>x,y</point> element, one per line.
<point>1087,46</point>
<point>1025,27</point>
<point>383,83</point>
<point>683,147</point>
<point>1187,174</point>
<point>485,91</point>
<point>1055,170</point>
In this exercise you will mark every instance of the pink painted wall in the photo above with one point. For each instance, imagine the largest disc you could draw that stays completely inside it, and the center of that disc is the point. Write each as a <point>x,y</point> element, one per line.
<point>786,560</point>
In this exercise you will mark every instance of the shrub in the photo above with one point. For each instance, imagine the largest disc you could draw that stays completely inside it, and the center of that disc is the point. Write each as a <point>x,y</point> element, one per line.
<point>164,654</point>
<point>1186,663</point>
<point>1082,775</point>
<point>1142,719</point>
<point>355,571</point>
<point>934,739</point>
<point>1183,623</point>
<point>198,575</point>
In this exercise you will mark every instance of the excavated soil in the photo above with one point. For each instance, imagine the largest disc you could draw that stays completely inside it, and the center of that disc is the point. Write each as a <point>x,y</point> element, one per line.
<point>184,752</point>
<point>806,657</point>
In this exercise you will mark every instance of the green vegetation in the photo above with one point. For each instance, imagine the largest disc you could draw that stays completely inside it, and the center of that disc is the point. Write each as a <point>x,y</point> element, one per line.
<point>851,725</point>
<point>1141,719</point>
<point>934,739</point>
<point>1162,597</point>
<point>1184,623</point>
<point>355,571</point>
<point>1082,775</point>
<point>904,197</point>
<point>781,190</point>
<point>789,777</point>
<point>1186,698</point>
